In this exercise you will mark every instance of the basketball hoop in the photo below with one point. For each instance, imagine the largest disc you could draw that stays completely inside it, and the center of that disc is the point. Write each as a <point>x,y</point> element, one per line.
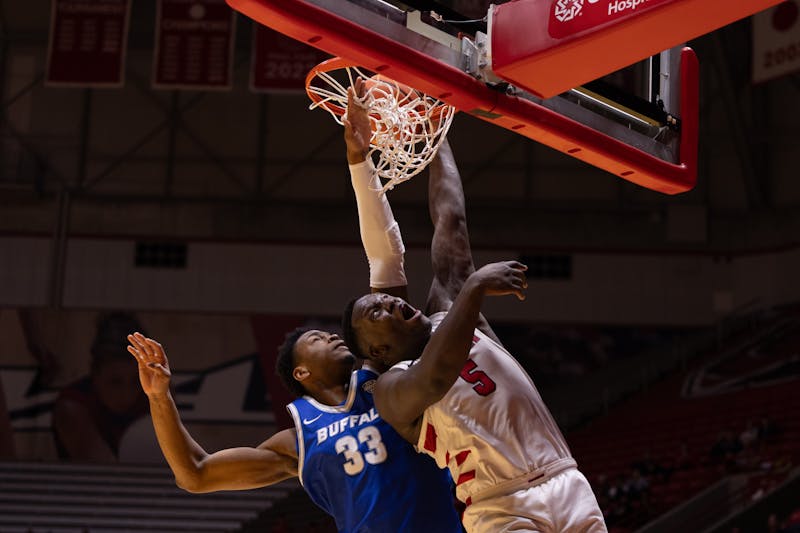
<point>407,125</point>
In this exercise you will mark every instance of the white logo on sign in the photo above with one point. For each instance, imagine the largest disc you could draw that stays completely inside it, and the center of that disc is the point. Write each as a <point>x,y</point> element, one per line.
<point>306,421</point>
<point>197,11</point>
<point>566,10</point>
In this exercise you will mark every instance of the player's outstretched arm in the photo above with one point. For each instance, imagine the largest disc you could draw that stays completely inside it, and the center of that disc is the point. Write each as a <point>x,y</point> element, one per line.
<point>380,233</point>
<point>195,470</point>
<point>451,255</point>
<point>401,396</point>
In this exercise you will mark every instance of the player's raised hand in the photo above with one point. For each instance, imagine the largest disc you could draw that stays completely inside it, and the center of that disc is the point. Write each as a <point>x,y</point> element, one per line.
<point>154,371</point>
<point>357,130</point>
<point>505,277</point>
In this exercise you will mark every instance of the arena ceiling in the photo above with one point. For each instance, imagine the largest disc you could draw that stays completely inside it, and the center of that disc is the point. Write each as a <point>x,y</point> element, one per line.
<point>239,165</point>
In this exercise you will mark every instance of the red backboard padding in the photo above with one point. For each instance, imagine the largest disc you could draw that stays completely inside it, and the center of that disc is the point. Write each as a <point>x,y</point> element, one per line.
<point>341,37</point>
<point>551,46</point>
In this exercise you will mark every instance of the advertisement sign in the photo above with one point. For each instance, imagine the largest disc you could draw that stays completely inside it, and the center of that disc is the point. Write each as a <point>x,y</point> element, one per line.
<point>570,17</point>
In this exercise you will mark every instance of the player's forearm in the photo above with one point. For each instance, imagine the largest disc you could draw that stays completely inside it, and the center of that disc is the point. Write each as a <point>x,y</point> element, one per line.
<point>380,233</point>
<point>180,450</point>
<point>445,192</point>
<point>243,469</point>
<point>451,255</point>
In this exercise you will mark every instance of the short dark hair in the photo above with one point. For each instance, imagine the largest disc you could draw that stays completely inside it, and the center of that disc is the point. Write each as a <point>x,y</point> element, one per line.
<point>349,332</point>
<point>284,365</point>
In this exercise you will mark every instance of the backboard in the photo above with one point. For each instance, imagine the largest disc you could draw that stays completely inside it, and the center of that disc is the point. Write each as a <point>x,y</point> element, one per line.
<point>492,68</point>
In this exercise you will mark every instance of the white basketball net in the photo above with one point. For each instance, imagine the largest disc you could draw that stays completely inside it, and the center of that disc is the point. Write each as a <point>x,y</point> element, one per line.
<point>407,129</point>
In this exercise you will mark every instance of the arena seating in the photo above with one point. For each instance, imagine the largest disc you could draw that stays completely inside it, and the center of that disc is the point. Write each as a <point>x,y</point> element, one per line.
<point>681,441</point>
<point>78,498</point>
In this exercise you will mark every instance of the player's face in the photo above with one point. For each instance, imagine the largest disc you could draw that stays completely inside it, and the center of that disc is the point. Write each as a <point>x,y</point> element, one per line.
<point>323,353</point>
<point>389,329</point>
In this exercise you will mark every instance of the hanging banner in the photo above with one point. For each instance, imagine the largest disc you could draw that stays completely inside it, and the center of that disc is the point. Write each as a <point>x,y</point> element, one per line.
<point>776,41</point>
<point>280,63</point>
<point>87,43</point>
<point>194,45</point>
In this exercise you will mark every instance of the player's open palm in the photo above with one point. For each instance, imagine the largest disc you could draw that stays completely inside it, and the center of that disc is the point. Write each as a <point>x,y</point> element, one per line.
<point>505,277</point>
<point>154,371</point>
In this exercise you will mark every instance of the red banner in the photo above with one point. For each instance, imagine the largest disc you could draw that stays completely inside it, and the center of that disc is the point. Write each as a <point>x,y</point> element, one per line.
<point>87,43</point>
<point>279,62</point>
<point>194,45</point>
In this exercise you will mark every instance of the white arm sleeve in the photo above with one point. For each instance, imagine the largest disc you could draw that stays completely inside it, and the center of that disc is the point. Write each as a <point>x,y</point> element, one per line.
<point>380,233</point>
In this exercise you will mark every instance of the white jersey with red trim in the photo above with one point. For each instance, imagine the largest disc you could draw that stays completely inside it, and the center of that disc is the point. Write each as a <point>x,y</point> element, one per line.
<point>492,428</point>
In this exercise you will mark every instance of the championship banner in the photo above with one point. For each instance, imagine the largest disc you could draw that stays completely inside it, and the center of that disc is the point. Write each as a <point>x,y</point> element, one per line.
<point>194,45</point>
<point>279,62</point>
<point>776,41</point>
<point>87,43</point>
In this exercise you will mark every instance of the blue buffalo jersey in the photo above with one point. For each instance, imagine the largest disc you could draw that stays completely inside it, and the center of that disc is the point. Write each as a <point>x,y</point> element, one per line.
<point>363,473</point>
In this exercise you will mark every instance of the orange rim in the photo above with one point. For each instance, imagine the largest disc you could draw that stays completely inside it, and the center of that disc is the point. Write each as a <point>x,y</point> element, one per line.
<point>336,63</point>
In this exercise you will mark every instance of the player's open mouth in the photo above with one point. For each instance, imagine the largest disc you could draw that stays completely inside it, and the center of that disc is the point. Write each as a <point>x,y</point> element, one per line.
<point>408,312</point>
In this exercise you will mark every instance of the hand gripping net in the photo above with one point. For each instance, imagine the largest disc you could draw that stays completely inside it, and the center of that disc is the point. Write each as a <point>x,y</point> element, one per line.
<point>407,125</point>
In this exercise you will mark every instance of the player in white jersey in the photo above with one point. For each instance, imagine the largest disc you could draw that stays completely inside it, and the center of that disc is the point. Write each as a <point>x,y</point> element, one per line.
<point>465,400</point>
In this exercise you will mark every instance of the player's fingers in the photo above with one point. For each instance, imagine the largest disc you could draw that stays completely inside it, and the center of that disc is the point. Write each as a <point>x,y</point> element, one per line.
<point>144,346</point>
<point>137,340</point>
<point>134,352</point>
<point>518,290</point>
<point>151,348</point>
<point>157,350</point>
<point>520,285</point>
<point>133,339</point>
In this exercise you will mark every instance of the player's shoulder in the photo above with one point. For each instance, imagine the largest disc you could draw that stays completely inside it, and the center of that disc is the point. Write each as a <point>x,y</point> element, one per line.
<point>403,365</point>
<point>437,317</point>
<point>366,380</point>
<point>301,402</point>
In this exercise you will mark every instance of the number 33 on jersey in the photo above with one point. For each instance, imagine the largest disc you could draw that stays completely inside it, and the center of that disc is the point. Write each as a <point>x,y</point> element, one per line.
<point>356,466</point>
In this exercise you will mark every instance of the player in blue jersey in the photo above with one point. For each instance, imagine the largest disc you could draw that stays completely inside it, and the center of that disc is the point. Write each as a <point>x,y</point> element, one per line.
<point>349,460</point>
